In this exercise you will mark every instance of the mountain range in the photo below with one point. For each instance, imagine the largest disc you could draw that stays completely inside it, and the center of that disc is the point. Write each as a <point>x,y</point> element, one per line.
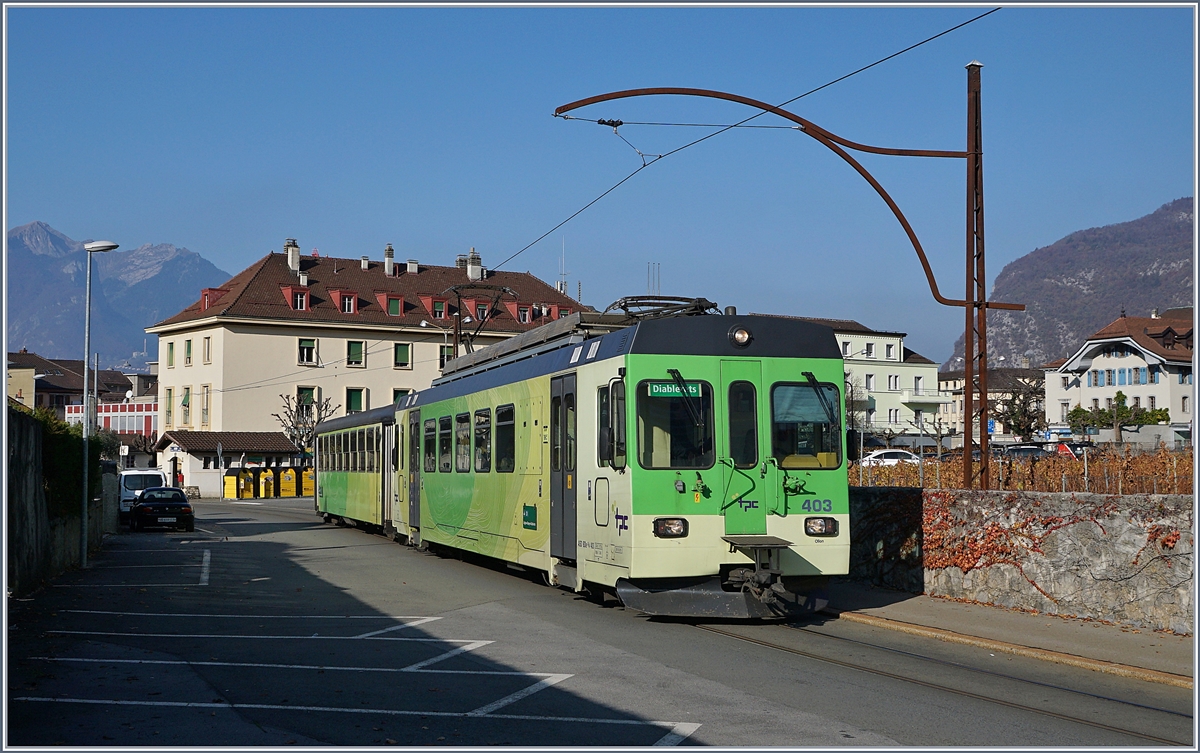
<point>130,291</point>
<point>1074,287</point>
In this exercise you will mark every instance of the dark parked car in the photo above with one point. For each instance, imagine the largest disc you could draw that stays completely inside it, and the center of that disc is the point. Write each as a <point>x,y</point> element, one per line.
<point>162,506</point>
<point>1027,452</point>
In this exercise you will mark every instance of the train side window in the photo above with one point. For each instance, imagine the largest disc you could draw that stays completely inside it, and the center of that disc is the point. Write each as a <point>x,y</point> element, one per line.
<point>743,425</point>
<point>371,449</point>
<point>462,442</point>
<point>335,452</point>
<point>556,433</point>
<point>603,428</point>
<point>569,432</point>
<point>398,448</point>
<point>431,445</point>
<point>362,449</point>
<point>616,400</point>
<point>483,440</point>
<point>506,439</point>
<point>445,440</point>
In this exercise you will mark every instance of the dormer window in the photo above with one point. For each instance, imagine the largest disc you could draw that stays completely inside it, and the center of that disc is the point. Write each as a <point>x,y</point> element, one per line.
<point>347,304</point>
<point>439,309</point>
<point>300,300</point>
<point>345,300</point>
<point>394,306</point>
<point>481,311</point>
<point>523,315</point>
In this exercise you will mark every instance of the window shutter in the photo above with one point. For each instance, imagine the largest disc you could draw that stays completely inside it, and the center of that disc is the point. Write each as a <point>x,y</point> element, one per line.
<point>355,352</point>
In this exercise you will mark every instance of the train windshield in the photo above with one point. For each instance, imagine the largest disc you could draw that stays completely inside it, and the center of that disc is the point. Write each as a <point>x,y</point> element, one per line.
<point>805,431</point>
<point>669,434</point>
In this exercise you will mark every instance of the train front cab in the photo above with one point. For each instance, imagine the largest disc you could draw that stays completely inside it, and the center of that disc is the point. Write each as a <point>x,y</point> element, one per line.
<point>731,502</point>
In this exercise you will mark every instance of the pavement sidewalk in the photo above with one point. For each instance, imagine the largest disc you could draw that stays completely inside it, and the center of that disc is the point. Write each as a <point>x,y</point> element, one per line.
<point>1147,655</point>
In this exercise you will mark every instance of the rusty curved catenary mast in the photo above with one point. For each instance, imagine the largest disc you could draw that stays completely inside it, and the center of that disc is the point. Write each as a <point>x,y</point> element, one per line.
<point>975,301</point>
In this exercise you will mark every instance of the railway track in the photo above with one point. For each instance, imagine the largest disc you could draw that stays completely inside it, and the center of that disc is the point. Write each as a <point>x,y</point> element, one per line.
<point>826,657</point>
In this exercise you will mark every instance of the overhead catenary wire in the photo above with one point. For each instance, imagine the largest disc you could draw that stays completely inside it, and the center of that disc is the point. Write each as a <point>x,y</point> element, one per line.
<point>740,124</point>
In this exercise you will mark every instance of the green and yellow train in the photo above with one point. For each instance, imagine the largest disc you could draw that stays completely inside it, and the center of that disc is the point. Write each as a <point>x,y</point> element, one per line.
<point>692,465</point>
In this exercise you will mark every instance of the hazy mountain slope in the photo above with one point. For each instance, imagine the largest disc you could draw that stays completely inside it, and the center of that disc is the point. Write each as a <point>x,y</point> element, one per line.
<point>1074,287</point>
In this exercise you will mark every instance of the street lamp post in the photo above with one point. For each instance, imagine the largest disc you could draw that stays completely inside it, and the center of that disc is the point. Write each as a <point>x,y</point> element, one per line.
<point>95,247</point>
<point>445,341</point>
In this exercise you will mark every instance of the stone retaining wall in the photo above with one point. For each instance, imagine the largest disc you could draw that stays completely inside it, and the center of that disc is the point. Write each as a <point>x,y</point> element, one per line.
<point>1125,559</point>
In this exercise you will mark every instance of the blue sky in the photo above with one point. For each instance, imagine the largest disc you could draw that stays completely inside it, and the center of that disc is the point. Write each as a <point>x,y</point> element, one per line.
<point>227,130</point>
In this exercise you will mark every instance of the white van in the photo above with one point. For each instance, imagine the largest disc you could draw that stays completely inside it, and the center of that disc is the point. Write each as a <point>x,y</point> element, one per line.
<point>133,481</point>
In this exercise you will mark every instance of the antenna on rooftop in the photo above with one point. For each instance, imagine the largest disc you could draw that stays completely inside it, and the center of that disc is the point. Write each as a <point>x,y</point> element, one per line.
<point>561,285</point>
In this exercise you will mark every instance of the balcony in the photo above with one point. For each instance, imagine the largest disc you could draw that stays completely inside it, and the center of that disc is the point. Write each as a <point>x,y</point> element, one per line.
<point>925,397</point>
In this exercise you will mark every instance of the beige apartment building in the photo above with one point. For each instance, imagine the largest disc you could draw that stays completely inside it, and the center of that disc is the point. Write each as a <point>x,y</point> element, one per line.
<point>360,332</point>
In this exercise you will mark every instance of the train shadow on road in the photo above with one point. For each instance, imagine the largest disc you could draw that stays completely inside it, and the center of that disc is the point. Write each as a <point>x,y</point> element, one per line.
<point>234,638</point>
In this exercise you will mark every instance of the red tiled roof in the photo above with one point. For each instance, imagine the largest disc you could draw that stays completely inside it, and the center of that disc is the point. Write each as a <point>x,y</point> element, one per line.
<point>838,325</point>
<point>231,441</point>
<point>259,292</point>
<point>1150,334</point>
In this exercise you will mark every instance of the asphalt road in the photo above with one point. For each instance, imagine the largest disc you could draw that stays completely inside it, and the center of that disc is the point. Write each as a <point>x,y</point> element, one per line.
<point>267,627</point>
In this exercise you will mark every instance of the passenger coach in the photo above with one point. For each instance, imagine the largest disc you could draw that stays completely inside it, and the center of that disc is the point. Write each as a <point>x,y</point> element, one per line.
<point>692,465</point>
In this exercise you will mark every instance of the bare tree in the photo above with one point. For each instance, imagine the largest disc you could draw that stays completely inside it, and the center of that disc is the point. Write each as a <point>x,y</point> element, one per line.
<point>300,417</point>
<point>1021,409</point>
<point>935,428</point>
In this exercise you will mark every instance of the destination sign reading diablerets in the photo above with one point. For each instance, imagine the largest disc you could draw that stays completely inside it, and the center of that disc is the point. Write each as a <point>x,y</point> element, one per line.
<point>671,389</point>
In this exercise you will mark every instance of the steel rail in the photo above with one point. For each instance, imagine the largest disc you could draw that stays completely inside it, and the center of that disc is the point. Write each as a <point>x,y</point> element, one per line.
<point>830,141</point>
<point>979,670</point>
<point>935,686</point>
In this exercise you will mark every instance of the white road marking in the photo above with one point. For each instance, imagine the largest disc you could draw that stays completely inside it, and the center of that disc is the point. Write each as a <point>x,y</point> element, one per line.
<point>417,621</point>
<point>158,567</point>
<point>678,734</point>
<point>447,655</point>
<point>246,503</point>
<point>204,567</point>
<point>125,585</point>
<point>673,726</point>
<point>258,616</point>
<point>257,637</point>
<point>263,665</point>
<point>514,697</point>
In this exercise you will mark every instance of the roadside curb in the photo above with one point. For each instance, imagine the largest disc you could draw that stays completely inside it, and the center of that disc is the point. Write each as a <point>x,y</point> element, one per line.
<point>1058,657</point>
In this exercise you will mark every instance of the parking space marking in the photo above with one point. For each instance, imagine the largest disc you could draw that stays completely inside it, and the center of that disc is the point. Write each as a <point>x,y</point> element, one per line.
<point>542,684</point>
<point>204,567</point>
<point>314,636</point>
<point>259,616</point>
<point>246,503</point>
<point>412,668</point>
<point>417,621</point>
<point>442,657</point>
<point>678,730</point>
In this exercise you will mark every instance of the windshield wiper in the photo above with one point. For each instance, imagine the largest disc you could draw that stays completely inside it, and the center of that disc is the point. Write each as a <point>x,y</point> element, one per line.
<point>687,398</point>
<point>812,380</point>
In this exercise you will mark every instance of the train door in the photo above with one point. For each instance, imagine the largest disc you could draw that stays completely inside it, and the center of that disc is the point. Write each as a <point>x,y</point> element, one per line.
<point>748,495</point>
<point>563,433</point>
<point>414,468</point>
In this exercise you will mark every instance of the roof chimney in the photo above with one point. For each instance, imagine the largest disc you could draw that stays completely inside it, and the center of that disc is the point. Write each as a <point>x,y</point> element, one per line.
<point>304,279</point>
<point>366,263</point>
<point>461,261</point>
<point>1154,313</point>
<point>293,254</point>
<point>474,266</point>
<point>389,261</point>
<point>413,267</point>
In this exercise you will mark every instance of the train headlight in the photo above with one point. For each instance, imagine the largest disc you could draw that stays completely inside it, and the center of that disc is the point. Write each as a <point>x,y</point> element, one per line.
<point>670,528</point>
<point>740,336</point>
<point>821,526</point>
